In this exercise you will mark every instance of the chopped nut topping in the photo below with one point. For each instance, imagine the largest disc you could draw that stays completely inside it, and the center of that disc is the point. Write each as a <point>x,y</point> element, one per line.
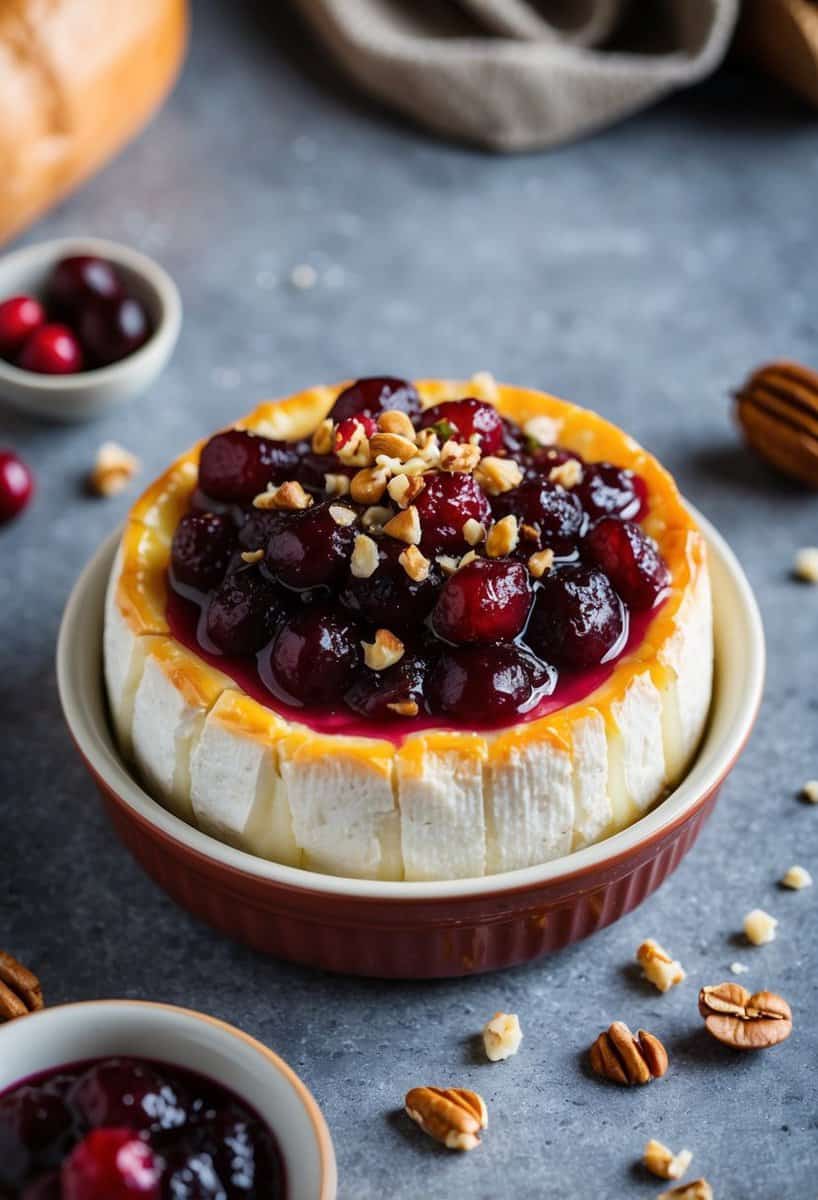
<point>796,878</point>
<point>468,557</point>
<point>497,475</point>
<point>404,489</point>
<point>745,1022</point>
<point>393,446</point>
<point>404,708</point>
<point>503,537</point>
<point>394,421</point>
<point>453,1116</point>
<point>355,451</point>
<point>364,559</point>
<point>459,456</point>
<point>663,1162</point>
<point>369,485</point>
<point>20,991</point>
<point>530,532</point>
<point>342,515</point>
<point>414,564</point>
<point>289,496</point>
<point>474,532</point>
<point>502,1036</point>
<point>384,652</point>
<point>657,966</point>
<point>697,1189</point>
<point>336,485</point>
<point>114,468</point>
<point>619,1056</point>
<point>544,430</point>
<point>428,446</point>
<point>447,563</point>
<point>759,927</point>
<point>541,562</point>
<point>806,564</point>
<point>405,526</point>
<point>810,791</point>
<point>567,474</point>
<point>323,440</point>
<point>252,556</point>
<point>376,516</point>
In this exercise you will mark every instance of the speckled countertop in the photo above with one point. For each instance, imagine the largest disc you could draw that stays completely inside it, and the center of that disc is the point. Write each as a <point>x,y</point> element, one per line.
<point>641,273</point>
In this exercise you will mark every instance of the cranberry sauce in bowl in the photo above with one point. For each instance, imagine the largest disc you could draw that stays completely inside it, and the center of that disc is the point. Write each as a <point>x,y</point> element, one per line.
<point>409,568</point>
<point>121,1128</point>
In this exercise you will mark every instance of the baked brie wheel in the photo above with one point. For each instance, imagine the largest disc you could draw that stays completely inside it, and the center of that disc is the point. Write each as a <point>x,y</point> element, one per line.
<point>411,631</point>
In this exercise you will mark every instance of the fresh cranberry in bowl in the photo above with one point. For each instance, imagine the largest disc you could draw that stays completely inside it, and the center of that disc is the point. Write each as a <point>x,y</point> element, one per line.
<point>444,506</point>
<point>486,684</point>
<point>112,329</point>
<point>311,548</point>
<point>487,600</point>
<point>462,420</point>
<point>237,465</point>
<point>374,395</point>
<point>630,559</point>
<point>19,317</point>
<point>577,621</point>
<point>81,279</point>
<point>16,485</point>
<point>609,491</point>
<point>314,657</point>
<point>555,514</point>
<point>201,550</point>
<point>52,350</point>
<point>390,597</point>
<point>111,1164</point>
<point>244,613</point>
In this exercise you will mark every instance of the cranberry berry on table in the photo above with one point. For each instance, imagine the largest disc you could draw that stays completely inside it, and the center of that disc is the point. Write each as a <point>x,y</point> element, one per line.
<point>16,485</point>
<point>86,319</point>
<point>408,561</point>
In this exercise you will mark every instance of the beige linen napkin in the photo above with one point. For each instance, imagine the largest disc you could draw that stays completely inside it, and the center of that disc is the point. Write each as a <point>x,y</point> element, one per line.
<point>520,74</point>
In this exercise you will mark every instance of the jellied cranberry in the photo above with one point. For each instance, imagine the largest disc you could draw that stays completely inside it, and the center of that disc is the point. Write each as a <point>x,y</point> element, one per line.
<point>201,550</point>
<point>577,620</point>
<point>51,350</point>
<point>484,684</point>
<point>112,329</point>
<point>556,513</point>
<point>375,395</point>
<point>389,597</point>
<point>373,692</point>
<point>19,317</point>
<point>630,559</point>
<point>16,485</point>
<point>237,465</point>
<point>111,1164</point>
<point>488,600</point>
<point>609,491</point>
<point>244,613</point>
<point>310,548</point>
<point>121,1091</point>
<point>314,657</point>
<point>36,1129</point>
<point>445,504</point>
<point>80,279</point>
<point>462,419</point>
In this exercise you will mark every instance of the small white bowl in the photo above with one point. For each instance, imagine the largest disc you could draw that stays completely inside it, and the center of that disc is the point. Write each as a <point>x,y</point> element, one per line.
<point>57,1036</point>
<point>89,393</point>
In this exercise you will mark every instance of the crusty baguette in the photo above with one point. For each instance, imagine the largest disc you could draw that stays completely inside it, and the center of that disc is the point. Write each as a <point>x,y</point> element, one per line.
<point>77,79</point>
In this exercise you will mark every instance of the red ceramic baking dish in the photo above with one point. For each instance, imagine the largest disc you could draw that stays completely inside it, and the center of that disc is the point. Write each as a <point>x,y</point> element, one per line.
<point>414,930</point>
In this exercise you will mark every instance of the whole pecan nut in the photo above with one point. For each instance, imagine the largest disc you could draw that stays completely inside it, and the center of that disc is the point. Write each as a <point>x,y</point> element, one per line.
<point>20,992</point>
<point>744,1021</point>
<point>453,1116</point>
<point>777,410</point>
<point>619,1056</point>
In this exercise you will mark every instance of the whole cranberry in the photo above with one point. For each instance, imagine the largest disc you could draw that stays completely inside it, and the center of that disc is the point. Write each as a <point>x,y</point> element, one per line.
<point>111,1164</point>
<point>389,597</point>
<point>16,485</point>
<point>630,559</point>
<point>488,600</point>
<point>81,279</point>
<point>462,419</point>
<point>201,550</point>
<point>122,1091</point>
<point>445,504</point>
<point>310,549</point>
<point>609,491</point>
<point>244,613</point>
<point>112,329</point>
<point>51,350</point>
<point>314,657</point>
<point>19,317</point>
<point>577,620</point>
<point>36,1129</point>
<point>237,465</point>
<point>486,684</point>
<point>379,393</point>
<point>546,507</point>
<point>374,693</point>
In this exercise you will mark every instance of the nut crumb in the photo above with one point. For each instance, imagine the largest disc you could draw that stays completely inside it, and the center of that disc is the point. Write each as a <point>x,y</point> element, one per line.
<point>697,1189</point>
<point>405,526</point>
<point>567,474</point>
<point>303,277</point>
<point>364,560</point>
<point>114,468</point>
<point>376,516</point>
<point>342,515</point>
<point>759,927</point>
<point>459,456</point>
<point>367,486</point>
<point>810,791</point>
<point>447,563</point>
<point>541,562</point>
<point>796,878</point>
<point>414,564</point>
<point>658,967</point>
<point>474,532</point>
<point>384,652</point>
<point>502,1036</point>
<point>404,708</point>
<point>502,538</point>
<point>323,440</point>
<point>289,496</point>
<point>661,1161</point>
<point>497,475</point>
<point>404,488</point>
<point>394,421</point>
<point>336,485</point>
<point>252,556</point>
<point>806,564</point>
<point>738,968</point>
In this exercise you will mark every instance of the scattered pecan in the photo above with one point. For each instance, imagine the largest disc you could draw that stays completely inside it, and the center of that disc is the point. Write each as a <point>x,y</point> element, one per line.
<point>777,410</point>
<point>453,1116</point>
<point>20,991</point>
<point>744,1021</point>
<point>619,1056</point>
<point>114,468</point>
<point>663,1162</point>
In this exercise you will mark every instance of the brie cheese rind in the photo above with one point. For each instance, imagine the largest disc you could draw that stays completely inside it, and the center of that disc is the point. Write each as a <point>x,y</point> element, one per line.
<point>445,804</point>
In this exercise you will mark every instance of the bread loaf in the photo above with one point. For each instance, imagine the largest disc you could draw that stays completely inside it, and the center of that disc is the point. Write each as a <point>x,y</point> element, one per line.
<point>78,78</point>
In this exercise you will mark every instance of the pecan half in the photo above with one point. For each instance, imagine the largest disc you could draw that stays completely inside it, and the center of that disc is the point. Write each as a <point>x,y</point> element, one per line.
<point>453,1116</point>
<point>20,991</point>
<point>619,1056</point>
<point>744,1021</point>
<point>777,410</point>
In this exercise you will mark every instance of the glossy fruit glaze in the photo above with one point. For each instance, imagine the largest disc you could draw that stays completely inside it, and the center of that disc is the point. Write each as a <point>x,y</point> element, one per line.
<point>507,586</point>
<point>127,1128</point>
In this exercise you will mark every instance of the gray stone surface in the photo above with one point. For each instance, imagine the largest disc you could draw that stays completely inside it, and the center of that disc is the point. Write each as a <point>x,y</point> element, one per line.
<point>641,273</point>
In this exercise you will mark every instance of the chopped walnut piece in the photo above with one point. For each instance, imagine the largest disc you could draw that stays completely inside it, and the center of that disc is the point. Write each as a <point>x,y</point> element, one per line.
<point>404,708</point>
<point>428,446</point>
<point>567,474</point>
<point>414,564</point>
<point>289,496</point>
<point>503,537</point>
<point>355,451</point>
<point>336,485</point>
<point>459,456</point>
<point>544,430</point>
<point>658,966</point>
<point>502,1036</point>
<point>806,564</point>
<point>416,466</point>
<point>759,927</point>
<point>342,515</point>
<point>384,652</point>
<point>114,468</point>
<point>376,516</point>
<point>364,559</point>
<point>541,562</point>
<point>394,421</point>
<point>393,445</point>
<point>796,878</point>
<point>663,1162</point>
<point>369,485</point>
<point>697,1189</point>
<point>530,532</point>
<point>474,532</point>
<point>252,556</point>
<point>323,440</point>
<point>404,489</point>
<point>405,526</point>
<point>810,791</point>
<point>497,475</point>
<point>447,563</point>
<point>469,557</point>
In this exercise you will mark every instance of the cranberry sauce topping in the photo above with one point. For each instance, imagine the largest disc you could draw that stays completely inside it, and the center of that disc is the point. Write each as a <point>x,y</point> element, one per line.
<point>409,569</point>
<point>121,1128</point>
